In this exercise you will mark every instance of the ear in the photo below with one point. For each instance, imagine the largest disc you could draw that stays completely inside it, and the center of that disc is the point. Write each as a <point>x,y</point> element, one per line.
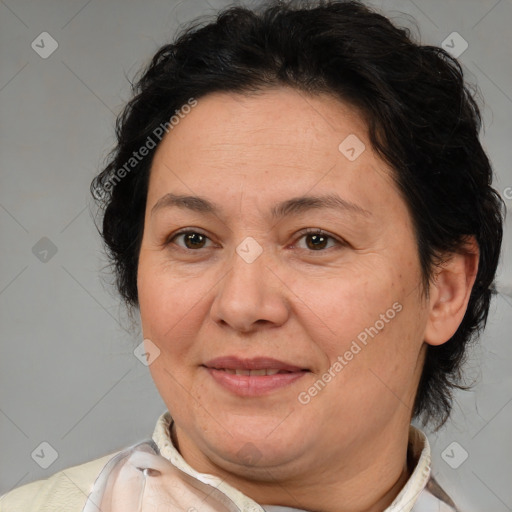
<point>450,291</point>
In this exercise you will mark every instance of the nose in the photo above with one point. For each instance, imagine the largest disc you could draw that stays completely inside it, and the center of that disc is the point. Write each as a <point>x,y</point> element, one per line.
<point>251,295</point>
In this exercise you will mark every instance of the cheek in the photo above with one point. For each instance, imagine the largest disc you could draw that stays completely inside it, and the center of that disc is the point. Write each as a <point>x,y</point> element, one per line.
<point>371,317</point>
<point>168,303</point>
<point>165,316</point>
<point>170,309</point>
<point>341,309</point>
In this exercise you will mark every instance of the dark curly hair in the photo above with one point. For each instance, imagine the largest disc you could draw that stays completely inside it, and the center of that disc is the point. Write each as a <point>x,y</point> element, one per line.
<point>422,118</point>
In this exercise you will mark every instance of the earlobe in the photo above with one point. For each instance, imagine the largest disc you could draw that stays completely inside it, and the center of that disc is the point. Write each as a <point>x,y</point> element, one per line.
<point>449,293</point>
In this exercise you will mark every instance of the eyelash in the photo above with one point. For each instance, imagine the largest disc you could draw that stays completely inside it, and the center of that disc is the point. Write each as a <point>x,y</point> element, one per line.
<point>302,233</point>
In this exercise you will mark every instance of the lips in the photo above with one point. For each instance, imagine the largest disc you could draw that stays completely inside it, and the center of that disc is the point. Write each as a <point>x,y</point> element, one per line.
<point>253,366</point>
<point>253,377</point>
<point>263,371</point>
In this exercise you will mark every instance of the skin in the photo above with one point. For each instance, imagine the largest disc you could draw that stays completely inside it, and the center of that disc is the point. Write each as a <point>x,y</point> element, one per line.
<point>345,450</point>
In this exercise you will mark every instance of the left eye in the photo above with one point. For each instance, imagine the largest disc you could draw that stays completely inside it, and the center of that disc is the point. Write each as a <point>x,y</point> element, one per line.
<point>317,240</point>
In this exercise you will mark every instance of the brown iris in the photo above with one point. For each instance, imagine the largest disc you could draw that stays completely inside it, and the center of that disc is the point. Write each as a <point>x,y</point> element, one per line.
<point>196,240</point>
<point>318,241</point>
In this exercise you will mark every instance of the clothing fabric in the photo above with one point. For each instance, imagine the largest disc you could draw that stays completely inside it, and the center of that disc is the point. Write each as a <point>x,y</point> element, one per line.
<point>153,476</point>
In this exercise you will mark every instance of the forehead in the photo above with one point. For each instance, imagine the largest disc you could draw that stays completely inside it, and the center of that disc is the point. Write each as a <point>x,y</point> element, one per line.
<point>283,119</point>
<point>278,142</point>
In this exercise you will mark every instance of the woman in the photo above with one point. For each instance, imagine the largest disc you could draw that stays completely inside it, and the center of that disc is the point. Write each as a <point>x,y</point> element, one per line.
<point>301,210</point>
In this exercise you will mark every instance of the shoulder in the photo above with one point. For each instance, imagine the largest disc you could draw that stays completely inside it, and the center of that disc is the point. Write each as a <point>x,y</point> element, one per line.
<point>66,490</point>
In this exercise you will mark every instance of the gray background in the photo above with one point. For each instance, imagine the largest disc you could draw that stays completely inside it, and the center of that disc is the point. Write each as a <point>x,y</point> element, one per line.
<point>68,373</point>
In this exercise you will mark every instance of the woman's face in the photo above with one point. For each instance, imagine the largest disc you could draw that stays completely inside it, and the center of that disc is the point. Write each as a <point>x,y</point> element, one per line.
<point>338,314</point>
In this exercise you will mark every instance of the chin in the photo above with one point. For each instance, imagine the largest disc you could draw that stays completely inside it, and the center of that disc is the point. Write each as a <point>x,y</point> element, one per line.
<point>253,452</point>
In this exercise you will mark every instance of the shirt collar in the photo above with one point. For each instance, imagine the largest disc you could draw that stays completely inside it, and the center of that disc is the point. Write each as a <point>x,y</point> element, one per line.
<point>419,449</point>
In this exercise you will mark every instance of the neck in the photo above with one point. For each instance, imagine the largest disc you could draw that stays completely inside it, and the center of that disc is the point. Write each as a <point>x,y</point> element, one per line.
<point>382,471</point>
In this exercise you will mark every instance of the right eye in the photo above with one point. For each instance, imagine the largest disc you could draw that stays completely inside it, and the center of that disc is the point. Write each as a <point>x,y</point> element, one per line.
<point>192,240</point>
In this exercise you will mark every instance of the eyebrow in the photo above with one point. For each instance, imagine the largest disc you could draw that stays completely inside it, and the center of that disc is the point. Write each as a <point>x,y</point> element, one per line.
<point>293,206</point>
